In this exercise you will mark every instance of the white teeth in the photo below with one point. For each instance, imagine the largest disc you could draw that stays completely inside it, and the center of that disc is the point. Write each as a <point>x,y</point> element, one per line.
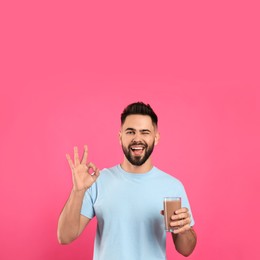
<point>137,148</point>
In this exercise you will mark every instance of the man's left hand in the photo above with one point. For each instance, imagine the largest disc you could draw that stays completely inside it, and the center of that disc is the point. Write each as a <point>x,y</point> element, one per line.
<point>181,219</point>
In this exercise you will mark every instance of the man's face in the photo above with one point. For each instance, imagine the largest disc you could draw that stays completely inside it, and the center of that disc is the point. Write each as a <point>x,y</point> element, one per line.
<point>138,136</point>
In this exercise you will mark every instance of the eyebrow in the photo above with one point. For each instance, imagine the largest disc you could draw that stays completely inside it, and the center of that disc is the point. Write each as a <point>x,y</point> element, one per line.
<point>133,129</point>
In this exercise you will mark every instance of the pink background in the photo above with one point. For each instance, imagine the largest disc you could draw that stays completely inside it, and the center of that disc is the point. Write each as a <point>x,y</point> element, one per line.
<point>67,71</point>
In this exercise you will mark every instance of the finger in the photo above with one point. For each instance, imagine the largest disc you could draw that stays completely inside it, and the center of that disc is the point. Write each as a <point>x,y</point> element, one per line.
<point>181,222</point>
<point>180,216</point>
<point>85,155</point>
<point>76,156</point>
<point>91,168</point>
<point>162,212</point>
<point>181,210</point>
<point>70,162</point>
<point>96,174</point>
<point>182,229</point>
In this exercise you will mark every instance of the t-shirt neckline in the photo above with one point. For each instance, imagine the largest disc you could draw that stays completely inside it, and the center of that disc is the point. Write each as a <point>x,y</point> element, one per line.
<point>136,175</point>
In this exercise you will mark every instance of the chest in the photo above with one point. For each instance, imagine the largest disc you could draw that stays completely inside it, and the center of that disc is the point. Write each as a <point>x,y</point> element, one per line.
<point>129,200</point>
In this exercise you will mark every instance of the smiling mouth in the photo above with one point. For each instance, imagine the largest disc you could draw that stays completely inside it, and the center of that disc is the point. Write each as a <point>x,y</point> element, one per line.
<point>137,149</point>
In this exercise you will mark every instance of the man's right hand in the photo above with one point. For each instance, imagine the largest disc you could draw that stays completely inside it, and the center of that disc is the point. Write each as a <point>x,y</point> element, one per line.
<point>83,174</point>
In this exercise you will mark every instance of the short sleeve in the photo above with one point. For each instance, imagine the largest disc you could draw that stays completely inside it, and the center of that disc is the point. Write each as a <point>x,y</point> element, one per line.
<point>89,199</point>
<point>185,202</point>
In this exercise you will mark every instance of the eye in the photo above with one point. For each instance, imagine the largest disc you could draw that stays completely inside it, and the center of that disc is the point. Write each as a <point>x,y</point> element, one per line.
<point>130,132</point>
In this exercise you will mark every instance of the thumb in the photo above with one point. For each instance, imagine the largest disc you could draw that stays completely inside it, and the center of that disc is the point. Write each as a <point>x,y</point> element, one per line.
<point>95,174</point>
<point>162,212</point>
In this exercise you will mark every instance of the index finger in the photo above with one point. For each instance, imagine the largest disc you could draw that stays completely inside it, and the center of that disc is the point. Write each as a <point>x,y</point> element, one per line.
<point>181,210</point>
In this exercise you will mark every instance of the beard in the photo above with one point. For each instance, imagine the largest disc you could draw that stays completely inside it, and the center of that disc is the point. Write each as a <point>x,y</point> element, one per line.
<point>135,159</point>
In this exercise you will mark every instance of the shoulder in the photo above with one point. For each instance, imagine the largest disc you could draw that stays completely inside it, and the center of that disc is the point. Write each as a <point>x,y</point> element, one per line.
<point>108,173</point>
<point>110,170</point>
<point>166,177</point>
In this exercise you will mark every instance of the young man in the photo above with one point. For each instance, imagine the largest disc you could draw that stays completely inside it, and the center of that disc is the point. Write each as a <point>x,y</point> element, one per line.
<point>127,199</point>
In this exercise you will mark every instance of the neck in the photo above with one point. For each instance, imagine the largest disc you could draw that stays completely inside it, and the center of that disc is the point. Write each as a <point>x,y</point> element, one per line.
<point>128,167</point>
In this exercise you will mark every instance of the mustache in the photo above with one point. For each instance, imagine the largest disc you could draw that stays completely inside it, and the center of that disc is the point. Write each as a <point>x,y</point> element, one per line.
<point>138,143</point>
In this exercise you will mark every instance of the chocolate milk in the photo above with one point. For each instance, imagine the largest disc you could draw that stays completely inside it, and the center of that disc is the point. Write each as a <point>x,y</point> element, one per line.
<point>170,205</point>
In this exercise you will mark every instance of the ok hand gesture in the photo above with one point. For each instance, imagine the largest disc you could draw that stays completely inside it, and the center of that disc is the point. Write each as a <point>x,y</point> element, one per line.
<point>83,174</point>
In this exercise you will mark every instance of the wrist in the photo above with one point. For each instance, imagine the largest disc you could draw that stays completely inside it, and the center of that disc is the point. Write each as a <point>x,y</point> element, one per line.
<point>79,190</point>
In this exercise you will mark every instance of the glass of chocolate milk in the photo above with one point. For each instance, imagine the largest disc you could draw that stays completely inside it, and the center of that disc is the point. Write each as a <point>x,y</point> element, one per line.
<point>170,204</point>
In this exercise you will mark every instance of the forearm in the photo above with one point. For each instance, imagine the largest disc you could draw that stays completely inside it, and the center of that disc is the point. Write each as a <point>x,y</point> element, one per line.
<point>185,242</point>
<point>69,221</point>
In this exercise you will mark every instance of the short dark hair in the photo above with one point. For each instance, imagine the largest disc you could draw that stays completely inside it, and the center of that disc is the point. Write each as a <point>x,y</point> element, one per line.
<point>139,108</point>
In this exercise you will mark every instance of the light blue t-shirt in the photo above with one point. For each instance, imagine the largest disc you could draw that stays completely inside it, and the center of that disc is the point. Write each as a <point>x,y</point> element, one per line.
<point>127,207</point>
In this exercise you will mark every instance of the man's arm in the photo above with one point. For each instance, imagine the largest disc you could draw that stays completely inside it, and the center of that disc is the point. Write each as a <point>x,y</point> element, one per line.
<point>71,223</point>
<point>184,236</point>
<point>185,242</point>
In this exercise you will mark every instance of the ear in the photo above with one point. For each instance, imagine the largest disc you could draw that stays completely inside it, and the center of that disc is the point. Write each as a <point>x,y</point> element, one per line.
<point>157,138</point>
<point>120,137</point>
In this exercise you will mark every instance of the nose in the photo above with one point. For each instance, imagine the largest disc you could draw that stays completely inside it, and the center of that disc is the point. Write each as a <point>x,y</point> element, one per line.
<point>137,137</point>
